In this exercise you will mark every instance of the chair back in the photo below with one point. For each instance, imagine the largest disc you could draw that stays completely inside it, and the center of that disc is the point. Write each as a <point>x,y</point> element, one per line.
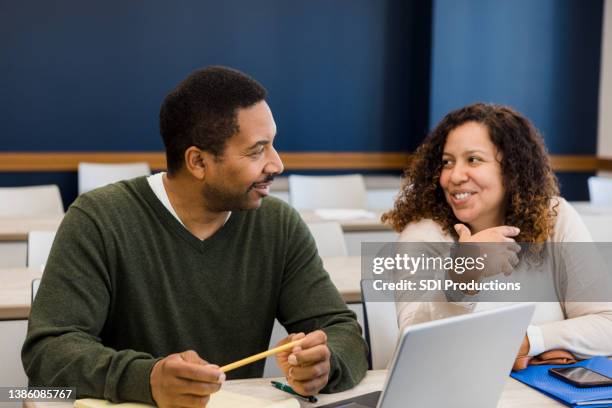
<point>382,332</point>
<point>39,247</point>
<point>329,238</point>
<point>600,190</point>
<point>31,201</point>
<point>94,175</point>
<point>35,285</point>
<point>312,192</point>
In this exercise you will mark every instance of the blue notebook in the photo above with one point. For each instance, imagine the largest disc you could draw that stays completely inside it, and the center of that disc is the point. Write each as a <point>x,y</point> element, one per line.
<point>594,397</point>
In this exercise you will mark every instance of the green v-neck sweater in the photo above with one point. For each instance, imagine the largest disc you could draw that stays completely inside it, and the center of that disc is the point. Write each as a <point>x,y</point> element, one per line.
<point>126,284</point>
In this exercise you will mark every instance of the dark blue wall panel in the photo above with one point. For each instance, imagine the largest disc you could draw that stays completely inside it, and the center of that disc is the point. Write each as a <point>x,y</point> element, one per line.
<point>345,75</point>
<point>342,75</point>
<point>541,57</point>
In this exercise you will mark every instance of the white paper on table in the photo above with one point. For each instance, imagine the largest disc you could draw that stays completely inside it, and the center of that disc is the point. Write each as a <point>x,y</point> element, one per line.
<point>220,399</point>
<point>343,213</point>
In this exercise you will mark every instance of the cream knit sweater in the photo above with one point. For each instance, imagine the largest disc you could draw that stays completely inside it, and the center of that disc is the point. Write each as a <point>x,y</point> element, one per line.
<point>584,328</point>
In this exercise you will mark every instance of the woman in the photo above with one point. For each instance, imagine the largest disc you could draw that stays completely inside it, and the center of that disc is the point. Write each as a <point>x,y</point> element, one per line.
<point>483,175</point>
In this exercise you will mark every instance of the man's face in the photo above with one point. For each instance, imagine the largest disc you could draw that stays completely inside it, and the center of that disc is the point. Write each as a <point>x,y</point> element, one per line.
<point>241,176</point>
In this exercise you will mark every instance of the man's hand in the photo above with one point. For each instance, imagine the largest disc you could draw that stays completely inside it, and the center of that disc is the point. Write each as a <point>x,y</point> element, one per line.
<point>307,366</point>
<point>184,380</point>
<point>522,359</point>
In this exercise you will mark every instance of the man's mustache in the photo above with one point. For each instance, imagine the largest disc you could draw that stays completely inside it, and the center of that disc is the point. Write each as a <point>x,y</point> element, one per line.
<point>268,178</point>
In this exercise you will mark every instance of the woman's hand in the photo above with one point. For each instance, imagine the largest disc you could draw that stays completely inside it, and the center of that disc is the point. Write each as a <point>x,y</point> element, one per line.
<point>503,233</point>
<point>497,244</point>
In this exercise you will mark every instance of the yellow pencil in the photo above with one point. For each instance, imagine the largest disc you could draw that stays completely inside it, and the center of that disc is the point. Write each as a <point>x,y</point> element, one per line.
<point>259,356</point>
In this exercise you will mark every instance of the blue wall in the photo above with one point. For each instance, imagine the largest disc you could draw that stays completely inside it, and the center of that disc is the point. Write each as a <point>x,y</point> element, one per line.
<point>540,56</point>
<point>343,75</point>
<point>91,75</point>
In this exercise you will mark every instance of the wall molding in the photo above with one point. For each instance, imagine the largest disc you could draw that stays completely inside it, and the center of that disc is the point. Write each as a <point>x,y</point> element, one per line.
<point>68,161</point>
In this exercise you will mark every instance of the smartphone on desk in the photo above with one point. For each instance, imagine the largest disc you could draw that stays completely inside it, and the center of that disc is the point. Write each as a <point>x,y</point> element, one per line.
<point>580,377</point>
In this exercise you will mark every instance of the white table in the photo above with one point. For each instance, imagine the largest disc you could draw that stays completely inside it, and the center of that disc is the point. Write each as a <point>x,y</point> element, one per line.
<point>14,237</point>
<point>16,292</point>
<point>514,395</point>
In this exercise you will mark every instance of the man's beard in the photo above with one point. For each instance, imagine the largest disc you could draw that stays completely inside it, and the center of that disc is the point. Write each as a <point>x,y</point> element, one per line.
<point>220,199</point>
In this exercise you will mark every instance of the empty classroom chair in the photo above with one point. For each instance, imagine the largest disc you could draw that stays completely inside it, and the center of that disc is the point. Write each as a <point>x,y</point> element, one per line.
<point>32,201</point>
<point>599,225</point>
<point>329,238</point>
<point>600,190</point>
<point>39,246</point>
<point>35,285</point>
<point>94,175</point>
<point>312,192</point>
<point>381,329</point>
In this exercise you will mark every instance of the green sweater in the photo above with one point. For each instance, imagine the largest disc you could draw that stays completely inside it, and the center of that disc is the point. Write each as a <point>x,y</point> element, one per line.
<point>126,284</point>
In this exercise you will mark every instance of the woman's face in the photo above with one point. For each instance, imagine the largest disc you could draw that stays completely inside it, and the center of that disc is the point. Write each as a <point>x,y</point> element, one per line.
<point>471,177</point>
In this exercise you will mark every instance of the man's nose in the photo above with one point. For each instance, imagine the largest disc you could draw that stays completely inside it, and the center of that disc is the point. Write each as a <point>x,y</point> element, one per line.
<point>275,164</point>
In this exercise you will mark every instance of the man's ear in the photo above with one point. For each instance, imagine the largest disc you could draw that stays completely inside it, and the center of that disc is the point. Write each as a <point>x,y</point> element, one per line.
<point>195,162</point>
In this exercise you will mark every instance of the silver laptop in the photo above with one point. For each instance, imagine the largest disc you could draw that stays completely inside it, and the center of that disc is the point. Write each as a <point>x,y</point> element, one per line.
<point>462,361</point>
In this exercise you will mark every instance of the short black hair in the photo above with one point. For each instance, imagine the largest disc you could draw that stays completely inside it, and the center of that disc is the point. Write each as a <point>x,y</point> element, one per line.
<point>202,111</point>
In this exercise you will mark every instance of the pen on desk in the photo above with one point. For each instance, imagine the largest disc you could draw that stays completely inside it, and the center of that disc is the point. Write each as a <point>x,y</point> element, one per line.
<point>287,388</point>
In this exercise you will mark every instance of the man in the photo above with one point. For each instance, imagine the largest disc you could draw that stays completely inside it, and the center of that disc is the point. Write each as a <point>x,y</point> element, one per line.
<point>154,283</point>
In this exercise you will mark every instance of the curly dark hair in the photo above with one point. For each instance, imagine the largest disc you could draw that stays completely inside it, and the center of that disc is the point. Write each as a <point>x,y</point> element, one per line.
<point>528,179</point>
<point>202,111</point>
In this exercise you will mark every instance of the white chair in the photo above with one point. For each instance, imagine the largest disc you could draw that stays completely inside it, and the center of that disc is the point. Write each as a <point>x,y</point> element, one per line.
<point>599,225</point>
<point>94,175</point>
<point>35,285</point>
<point>31,201</point>
<point>381,330</point>
<point>312,192</point>
<point>600,190</point>
<point>11,341</point>
<point>39,246</point>
<point>329,238</point>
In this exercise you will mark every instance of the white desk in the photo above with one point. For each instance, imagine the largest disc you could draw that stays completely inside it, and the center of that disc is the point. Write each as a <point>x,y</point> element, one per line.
<point>351,225</point>
<point>358,230</point>
<point>16,292</point>
<point>14,237</point>
<point>17,229</point>
<point>515,394</point>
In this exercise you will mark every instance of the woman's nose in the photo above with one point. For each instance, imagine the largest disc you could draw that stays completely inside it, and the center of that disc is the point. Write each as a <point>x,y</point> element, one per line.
<point>458,174</point>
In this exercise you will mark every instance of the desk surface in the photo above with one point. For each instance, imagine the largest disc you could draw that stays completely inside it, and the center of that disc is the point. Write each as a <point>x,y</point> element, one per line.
<point>16,292</point>
<point>17,229</point>
<point>515,394</point>
<point>16,289</point>
<point>372,223</point>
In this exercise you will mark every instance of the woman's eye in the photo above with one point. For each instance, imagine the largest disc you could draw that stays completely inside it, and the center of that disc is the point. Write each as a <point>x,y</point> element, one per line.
<point>474,159</point>
<point>446,163</point>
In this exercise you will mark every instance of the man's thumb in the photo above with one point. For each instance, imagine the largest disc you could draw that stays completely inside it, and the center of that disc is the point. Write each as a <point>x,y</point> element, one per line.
<point>462,231</point>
